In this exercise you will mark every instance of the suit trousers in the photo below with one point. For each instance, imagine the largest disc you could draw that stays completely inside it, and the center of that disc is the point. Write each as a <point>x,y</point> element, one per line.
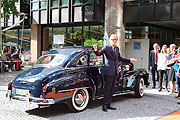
<point>162,72</point>
<point>109,88</point>
<point>154,69</point>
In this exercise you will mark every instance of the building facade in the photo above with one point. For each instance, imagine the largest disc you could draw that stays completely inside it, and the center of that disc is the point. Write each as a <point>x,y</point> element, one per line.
<point>157,20</point>
<point>81,20</point>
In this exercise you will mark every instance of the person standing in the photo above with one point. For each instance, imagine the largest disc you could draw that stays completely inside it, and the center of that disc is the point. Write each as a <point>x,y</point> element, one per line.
<point>161,66</point>
<point>153,58</point>
<point>171,72</point>
<point>112,58</point>
<point>177,58</point>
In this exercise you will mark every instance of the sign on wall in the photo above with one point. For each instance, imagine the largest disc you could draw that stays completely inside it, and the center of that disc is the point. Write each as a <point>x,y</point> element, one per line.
<point>58,39</point>
<point>137,45</point>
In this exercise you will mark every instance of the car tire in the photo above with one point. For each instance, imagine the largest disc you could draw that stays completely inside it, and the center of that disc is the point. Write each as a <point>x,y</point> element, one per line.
<point>139,88</point>
<point>80,100</point>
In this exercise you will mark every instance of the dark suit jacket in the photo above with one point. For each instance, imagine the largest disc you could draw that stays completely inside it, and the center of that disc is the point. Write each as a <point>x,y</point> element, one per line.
<point>152,59</point>
<point>111,59</point>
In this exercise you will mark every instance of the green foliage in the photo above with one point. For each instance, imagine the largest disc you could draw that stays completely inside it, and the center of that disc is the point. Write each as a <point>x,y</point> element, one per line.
<point>92,41</point>
<point>9,7</point>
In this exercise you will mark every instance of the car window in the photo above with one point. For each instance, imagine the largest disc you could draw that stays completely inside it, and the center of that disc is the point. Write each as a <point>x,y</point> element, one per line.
<point>96,60</point>
<point>82,61</point>
<point>51,59</point>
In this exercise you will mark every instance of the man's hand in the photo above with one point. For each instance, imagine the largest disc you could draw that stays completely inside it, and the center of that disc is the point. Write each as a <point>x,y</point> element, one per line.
<point>178,74</point>
<point>133,60</point>
<point>95,47</point>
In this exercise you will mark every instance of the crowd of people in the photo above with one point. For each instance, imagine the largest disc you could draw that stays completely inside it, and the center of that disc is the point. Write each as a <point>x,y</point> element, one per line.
<point>162,62</point>
<point>10,53</point>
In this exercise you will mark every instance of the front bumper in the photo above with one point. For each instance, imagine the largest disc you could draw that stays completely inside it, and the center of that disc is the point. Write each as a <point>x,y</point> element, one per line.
<point>28,98</point>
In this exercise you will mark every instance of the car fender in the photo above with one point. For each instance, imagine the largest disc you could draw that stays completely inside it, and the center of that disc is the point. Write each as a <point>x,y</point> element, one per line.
<point>143,74</point>
<point>67,85</point>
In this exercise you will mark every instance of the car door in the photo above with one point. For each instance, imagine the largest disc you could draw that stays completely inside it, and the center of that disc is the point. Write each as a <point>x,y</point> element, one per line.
<point>95,70</point>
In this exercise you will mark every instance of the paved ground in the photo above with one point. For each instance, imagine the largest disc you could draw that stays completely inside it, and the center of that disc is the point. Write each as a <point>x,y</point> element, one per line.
<point>154,105</point>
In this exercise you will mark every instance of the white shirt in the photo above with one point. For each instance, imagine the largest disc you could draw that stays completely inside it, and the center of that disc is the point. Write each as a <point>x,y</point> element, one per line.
<point>162,61</point>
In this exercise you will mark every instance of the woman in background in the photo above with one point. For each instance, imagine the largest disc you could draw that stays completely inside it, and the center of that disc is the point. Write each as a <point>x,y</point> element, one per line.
<point>171,76</point>
<point>177,58</point>
<point>161,66</point>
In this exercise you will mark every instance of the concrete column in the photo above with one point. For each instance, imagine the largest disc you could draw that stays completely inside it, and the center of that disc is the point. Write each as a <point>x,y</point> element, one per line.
<point>113,22</point>
<point>35,42</point>
<point>45,39</point>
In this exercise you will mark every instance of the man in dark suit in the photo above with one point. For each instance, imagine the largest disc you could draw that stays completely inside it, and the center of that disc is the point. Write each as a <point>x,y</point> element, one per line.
<point>112,58</point>
<point>153,58</point>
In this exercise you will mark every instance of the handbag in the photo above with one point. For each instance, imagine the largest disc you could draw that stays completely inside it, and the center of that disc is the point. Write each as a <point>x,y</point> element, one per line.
<point>176,67</point>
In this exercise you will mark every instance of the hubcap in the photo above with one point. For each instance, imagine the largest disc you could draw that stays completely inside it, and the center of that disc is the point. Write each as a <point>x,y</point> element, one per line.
<point>141,87</point>
<point>80,98</point>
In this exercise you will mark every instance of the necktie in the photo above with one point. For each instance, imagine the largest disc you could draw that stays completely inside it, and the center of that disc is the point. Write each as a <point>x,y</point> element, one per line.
<point>113,49</point>
<point>156,57</point>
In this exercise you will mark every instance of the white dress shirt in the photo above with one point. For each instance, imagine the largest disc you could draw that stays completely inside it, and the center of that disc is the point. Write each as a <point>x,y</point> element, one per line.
<point>162,61</point>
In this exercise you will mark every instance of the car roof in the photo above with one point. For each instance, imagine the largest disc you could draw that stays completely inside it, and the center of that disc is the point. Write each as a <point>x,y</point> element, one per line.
<point>69,49</point>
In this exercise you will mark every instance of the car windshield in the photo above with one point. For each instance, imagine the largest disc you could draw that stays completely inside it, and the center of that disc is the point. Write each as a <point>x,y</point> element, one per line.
<point>51,59</point>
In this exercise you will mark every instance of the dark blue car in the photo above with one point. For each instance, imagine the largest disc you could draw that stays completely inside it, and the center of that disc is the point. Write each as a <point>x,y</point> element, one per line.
<point>72,75</point>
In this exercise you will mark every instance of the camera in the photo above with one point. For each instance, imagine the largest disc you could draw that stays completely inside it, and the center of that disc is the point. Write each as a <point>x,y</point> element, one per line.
<point>175,51</point>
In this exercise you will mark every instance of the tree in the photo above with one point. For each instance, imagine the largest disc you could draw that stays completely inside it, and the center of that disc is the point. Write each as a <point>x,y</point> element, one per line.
<point>8,8</point>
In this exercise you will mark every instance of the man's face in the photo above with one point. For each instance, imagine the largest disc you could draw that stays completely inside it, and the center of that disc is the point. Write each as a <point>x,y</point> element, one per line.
<point>9,52</point>
<point>113,40</point>
<point>5,53</point>
<point>173,48</point>
<point>156,47</point>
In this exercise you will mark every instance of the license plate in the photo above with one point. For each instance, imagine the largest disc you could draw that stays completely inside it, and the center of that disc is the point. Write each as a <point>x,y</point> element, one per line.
<point>22,92</point>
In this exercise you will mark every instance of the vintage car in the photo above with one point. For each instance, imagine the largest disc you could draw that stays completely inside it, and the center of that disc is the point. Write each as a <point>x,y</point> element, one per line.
<point>72,75</point>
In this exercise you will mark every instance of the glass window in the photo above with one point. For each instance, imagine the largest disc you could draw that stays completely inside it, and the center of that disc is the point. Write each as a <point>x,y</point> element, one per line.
<point>82,61</point>
<point>135,2</point>
<point>98,1</point>
<point>88,1</point>
<point>26,38</point>
<point>65,2</point>
<point>96,60</point>
<point>140,32</point>
<point>86,32</point>
<point>93,35</point>
<point>54,3</point>
<point>77,36</point>
<point>27,1</point>
<point>44,4</point>
<point>13,36</point>
<point>35,6</point>
<point>77,2</point>
<point>51,59</point>
<point>147,1</point>
<point>161,1</point>
<point>69,39</point>
<point>96,32</point>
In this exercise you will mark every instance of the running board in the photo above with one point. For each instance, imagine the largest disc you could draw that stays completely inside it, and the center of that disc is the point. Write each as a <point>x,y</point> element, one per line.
<point>116,94</point>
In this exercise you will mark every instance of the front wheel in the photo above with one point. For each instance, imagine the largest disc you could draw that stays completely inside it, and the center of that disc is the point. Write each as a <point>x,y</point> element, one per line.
<point>79,100</point>
<point>139,88</point>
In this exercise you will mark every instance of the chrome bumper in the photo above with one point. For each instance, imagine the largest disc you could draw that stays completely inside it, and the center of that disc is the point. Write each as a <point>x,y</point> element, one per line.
<point>30,99</point>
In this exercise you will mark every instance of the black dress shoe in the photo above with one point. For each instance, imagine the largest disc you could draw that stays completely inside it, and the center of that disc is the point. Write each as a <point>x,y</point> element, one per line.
<point>167,90</point>
<point>104,109</point>
<point>160,89</point>
<point>111,108</point>
<point>153,87</point>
